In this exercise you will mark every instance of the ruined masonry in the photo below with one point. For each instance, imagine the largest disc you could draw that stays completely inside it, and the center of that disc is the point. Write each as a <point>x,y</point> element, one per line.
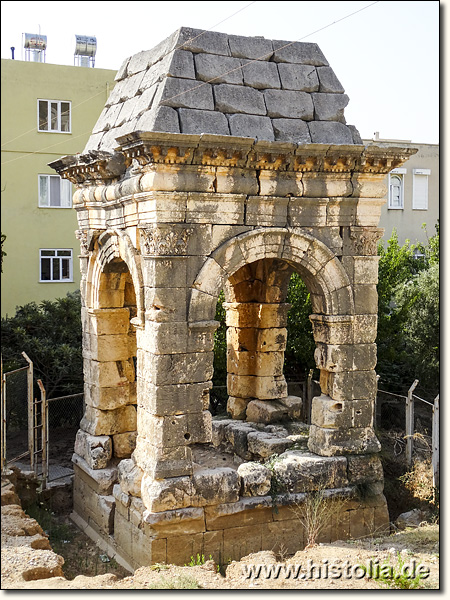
<point>224,163</point>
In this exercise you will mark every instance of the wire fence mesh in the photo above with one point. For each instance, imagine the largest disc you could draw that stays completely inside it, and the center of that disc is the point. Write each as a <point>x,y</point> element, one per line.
<point>15,390</point>
<point>64,416</point>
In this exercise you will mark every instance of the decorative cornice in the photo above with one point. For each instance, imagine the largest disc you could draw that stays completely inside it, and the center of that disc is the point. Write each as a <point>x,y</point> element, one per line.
<point>144,148</point>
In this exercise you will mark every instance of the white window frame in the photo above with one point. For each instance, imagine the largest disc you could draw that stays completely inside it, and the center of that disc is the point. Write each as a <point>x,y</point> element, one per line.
<point>58,128</point>
<point>400,173</point>
<point>59,259</point>
<point>65,192</point>
<point>416,174</point>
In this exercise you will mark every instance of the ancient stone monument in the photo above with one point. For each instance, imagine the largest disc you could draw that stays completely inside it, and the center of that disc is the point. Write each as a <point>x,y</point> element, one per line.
<point>224,163</point>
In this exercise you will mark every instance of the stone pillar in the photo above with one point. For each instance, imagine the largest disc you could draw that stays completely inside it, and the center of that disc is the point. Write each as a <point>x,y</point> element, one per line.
<point>256,340</point>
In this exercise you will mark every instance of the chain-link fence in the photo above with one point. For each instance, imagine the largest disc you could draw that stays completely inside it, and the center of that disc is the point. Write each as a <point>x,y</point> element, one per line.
<point>64,416</point>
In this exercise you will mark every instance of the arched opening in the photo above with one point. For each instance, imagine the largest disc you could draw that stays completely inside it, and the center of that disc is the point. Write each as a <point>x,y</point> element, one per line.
<point>259,329</point>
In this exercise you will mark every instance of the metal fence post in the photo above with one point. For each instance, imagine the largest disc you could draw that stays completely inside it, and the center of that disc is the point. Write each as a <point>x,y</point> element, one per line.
<point>309,395</point>
<point>30,409</point>
<point>435,443</point>
<point>44,433</point>
<point>3,417</point>
<point>409,425</point>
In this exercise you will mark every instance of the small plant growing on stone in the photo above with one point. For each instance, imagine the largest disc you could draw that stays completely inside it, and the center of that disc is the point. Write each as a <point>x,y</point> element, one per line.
<point>317,512</point>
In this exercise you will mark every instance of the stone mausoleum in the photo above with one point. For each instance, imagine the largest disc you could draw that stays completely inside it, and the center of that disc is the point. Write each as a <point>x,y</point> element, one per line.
<point>223,162</point>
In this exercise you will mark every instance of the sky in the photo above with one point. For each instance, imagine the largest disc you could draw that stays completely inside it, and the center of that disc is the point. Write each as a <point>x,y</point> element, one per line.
<point>386,54</point>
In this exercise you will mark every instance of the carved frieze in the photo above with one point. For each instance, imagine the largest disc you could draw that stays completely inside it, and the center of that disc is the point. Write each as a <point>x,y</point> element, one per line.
<point>164,241</point>
<point>365,240</point>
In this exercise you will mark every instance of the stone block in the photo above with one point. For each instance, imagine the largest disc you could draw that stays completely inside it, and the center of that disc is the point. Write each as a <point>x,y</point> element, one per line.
<point>161,206</point>
<point>302,78</point>
<point>330,107</point>
<point>161,463</point>
<point>265,411</point>
<point>166,304</point>
<point>185,93</point>
<point>219,426</point>
<point>304,53</point>
<point>345,414</point>
<point>255,479</point>
<point>163,400</point>
<point>96,450</point>
<point>109,374</point>
<point>215,486</point>
<point>109,422</point>
<point>264,211</point>
<point>256,314</point>
<point>168,369</point>
<point>174,522</point>
<point>329,442</point>
<point>329,83</point>
<point>162,118</point>
<point>237,407</point>
<point>130,477</point>
<point>294,405</point>
<point>101,481</point>
<point>250,47</point>
<point>282,184</point>
<point>298,471</point>
<point>366,299</point>
<point>353,385</point>
<point>333,330</point>
<point>236,434</point>
<point>203,121</point>
<point>345,357</point>
<point>218,209</point>
<point>257,340</point>
<point>284,537</point>
<point>159,495</point>
<point>230,180</point>
<point>261,75</point>
<point>175,430</point>
<point>124,444</point>
<point>289,104</point>
<point>237,99</point>
<point>107,398</point>
<point>262,388</point>
<point>241,541</point>
<point>264,445</point>
<point>365,329</point>
<point>217,69</point>
<point>262,364</point>
<point>307,212</point>
<point>329,132</point>
<point>364,469</point>
<point>181,549</point>
<point>291,130</point>
<point>252,126</point>
<point>197,40</point>
<point>247,511</point>
<point>109,347</point>
<point>335,187</point>
<point>109,321</point>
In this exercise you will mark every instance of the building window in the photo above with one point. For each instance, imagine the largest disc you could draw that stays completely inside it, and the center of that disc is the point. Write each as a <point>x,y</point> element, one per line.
<point>420,189</point>
<point>54,115</point>
<point>55,265</point>
<point>396,184</point>
<point>54,192</point>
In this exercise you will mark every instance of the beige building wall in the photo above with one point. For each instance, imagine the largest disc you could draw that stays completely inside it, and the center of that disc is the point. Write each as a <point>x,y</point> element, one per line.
<point>409,220</point>
<point>26,153</point>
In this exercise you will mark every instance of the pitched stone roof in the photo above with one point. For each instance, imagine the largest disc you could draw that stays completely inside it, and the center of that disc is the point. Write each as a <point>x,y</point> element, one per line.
<point>207,82</point>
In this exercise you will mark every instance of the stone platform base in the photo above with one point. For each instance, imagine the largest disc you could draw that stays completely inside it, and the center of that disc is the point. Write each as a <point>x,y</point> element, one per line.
<point>226,532</point>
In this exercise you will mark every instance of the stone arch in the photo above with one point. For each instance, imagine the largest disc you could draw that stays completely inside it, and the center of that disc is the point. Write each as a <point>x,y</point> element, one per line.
<point>323,273</point>
<point>110,247</point>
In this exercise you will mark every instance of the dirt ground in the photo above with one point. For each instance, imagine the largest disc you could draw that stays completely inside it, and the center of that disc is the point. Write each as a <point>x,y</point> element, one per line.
<point>77,564</point>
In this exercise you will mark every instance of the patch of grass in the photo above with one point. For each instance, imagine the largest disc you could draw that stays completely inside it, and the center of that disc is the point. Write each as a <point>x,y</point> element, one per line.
<point>397,576</point>
<point>182,582</point>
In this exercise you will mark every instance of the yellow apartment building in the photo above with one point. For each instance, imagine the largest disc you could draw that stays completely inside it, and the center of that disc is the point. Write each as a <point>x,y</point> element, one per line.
<point>47,111</point>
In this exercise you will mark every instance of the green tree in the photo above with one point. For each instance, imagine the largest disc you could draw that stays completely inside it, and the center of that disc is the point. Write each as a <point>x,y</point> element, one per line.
<point>408,317</point>
<point>50,334</point>
<point>299,355</point>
